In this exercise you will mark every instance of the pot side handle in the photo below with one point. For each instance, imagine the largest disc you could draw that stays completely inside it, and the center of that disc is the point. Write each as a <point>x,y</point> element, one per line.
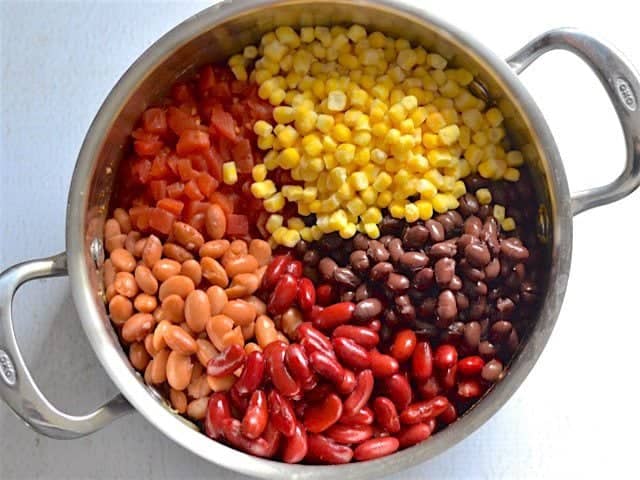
<point>17,387</point>
<point>622,84</point>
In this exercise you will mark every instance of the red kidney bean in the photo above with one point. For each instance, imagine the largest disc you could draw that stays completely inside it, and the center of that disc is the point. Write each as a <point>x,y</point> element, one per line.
<point>375,325</point>
<point>239,402</point>
<point>450,415</point>
<point>275,270</point>
<point>283,295</point>
<point>281,414</point>
<point>403,345</point>
<point>348,383</point>
<point>422,411</point>
<point>252,374</point>
<point>232,430</point>
<point>350,353</point>
<point>334,315</point>
<point>414,435</point>
<point>363,417</point>
<point>255,419</point>
<point>279,374</point>
<point>319,417</point>
<point>306,330</point>
<point>470,366</point>
<point>469,388</point>
<point>324,450</point>
<point>386,414</point>
<point>398,390</point>
<point>327,367</point>
<point>306,294</point>
<point>363,336</point>
<point>298,364</point>
<point>383,365</point>
<point>296,447</point>
<point>448,378</point>
<point>429,389</point>
<point>445,356</point>
<point>315,396</point>
<point>218,409</point>
<point>422,362</point>
<point>229,360</point>
<point>349,434</point>
<point>294,268</point>
<point>324,294</point>
<point>376,448</point>
<point>361,394</point>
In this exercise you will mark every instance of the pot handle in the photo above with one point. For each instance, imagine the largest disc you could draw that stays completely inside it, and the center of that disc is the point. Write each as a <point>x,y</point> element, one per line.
<point>18,388</point>
<point>622,84</point>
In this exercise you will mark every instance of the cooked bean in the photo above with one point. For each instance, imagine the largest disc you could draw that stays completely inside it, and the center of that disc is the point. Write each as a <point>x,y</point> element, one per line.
<point>138,248</point>
<point>197,310</point>
<point>261,250</point>
<point>447,309</point>
<point>145,303</point>
<point>214,248</point>
<point>380,271</point>
<point>192,269</point>
<point>241,312</point>
<point>159,367</point>
<point>122,260</point>
<point>180,341</point>
<point>137,327</point>
<point>122,217</point>
<point>259,305</point>
<point>444,270</point>
<point>492,371</point>
<point>159,333</point>
<point>111,228</point>
<point>120,309</point>
<point>265,330</point>
<point>221,384</point>
<point>179,369</point>
<point>377,251</point>
<point>241,264</point>
<point>242,285</point>
<point>145,280</point>
<point>346,277</point>
<point>178,285</point>
<point>217,326</point>
<point>397,283</point>
<point>206,351</point>
<point>217,299</point>
<point>327,266</point>
<point>178,400</point>
<point>187,236</point>
<point>138,356</point>
<point>115,242</point>
<point>290,321</point>
<point>125,284</point>
<point>215,222</point>
<point>248,331</point>
<point>367,309</point>
<point>359,260</point>
<point>413,260</point>
<point>199,386</point>
<point>233,337</point>
<point>165,268</point>
<point>214,272</point>
<point>131,240</point>
<point>176,252</point>
<point>152,251</point>
<point>108,273</point>
<point>173,305</point>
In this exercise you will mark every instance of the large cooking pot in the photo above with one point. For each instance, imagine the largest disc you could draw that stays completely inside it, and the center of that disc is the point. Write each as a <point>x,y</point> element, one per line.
<point>216,33</point>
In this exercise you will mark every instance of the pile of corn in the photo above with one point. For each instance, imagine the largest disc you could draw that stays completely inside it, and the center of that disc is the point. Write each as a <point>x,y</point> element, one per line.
<point>365,122</point>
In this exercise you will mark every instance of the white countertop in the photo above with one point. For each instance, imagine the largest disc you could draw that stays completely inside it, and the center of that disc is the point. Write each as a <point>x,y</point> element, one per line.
<point>576,414</point>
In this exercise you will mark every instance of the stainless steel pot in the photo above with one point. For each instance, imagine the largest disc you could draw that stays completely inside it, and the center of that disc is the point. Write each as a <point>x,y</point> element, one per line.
<point>212,35</point>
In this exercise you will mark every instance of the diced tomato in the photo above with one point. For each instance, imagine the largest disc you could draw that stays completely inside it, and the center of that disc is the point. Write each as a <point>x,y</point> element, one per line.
<point>159,167</point>
<point>206,183</point>
<point>237,225</point>
<point>192,191</point>
<point>140,217</point>
<point>199,162</point>
<point>171,205</point>
<point>214,163</point>
<point>192,141</point>
<point>161,220</point>
<point>222,123</point>
<point>175,190</point>
<point>172,163</point>
<point>224,147</point>
<point>180,121</point>
<point>182,93</point>
<point>158,189</point>
<point>154,120</point>
<point>194,208</point>
<point>206,79</point>
<point>221,90</point>
<point>238,87</point>
<point>140,170</point>
<point>185,169</point>
<point>243,156</point>
<point>223,200</point>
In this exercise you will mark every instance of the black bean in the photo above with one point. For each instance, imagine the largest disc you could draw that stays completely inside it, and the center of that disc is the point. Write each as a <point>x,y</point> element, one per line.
<point>473,226</point>
<point>423,279</point>
<point>360,242</point>
<point>380,271</point>
<point>359,260</point>
<point>513,342</point>
<point>327,266</point>
<point>492,270</point>
<point>461,301</point>
<point>385,239</point>
<point>416,236</point>
<point>468,204</point>
<point>311,257</point>
<point>501,330</point>
<point>367,309</point>
<point>397,283</point>
<point>405,309</point>
<point>447,309</point>
<point>395,249</point>
<point>362,292</point>
<point>443,249</point>
<point>492,371</point>
<point>465,240</point>
<point>301,247</point>
<point>472,332</point>
<point>445,269</point>
<point>528,291</point>
<point>377,251</point>
<point>478,308</point>
<point>477,254</point>
<point>413,260</point>
<point>487,349</point>
<point>505,307</point>
<point>347,296</point>
<point>512,248</point>
<point>390,225</point>
<point>428,307</point>
<point>330,242</point>
<point>436,230</point>
<point>346,277</point>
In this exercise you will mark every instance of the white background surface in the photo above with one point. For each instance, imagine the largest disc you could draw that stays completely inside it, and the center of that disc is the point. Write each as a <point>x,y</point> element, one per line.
<point>576,415</point>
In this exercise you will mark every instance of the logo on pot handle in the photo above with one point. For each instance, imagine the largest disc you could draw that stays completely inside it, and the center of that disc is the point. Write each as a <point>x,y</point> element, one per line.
<point>7,370</point>
<point>626,94</point>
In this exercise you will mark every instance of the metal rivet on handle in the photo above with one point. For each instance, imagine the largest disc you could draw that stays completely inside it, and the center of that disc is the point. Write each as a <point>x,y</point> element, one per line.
<point>97,252</point>
<point>7,370</point>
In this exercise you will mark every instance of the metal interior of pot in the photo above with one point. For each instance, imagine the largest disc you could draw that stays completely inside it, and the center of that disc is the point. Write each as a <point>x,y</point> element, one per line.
<point>208,40</point>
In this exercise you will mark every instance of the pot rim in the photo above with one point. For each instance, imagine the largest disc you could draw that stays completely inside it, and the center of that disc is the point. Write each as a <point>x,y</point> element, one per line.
<point>178,430</point>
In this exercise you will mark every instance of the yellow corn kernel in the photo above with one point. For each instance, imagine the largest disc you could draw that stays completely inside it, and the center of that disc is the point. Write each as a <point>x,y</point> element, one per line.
<point>356,206</point>
<point>511,174</point>
<point>418,163</point>
<point>330,204</point>
<point>289,158</point>
<point>336,101</point>
<point>306,235</point>
<point>372,215</point>
<point>362,157</point>
<point>309,194</point>
<point>487,169</point>
<point>337,220</point>
<point>380,129</point>
<point>341,133</point>
<point>283,114</point>
<point>380,92</point>
<point>262,128</point>
<point>499,213</point>
<point>378,156</point>
<point>345,192</point>
<point>337,176</point>
<point>397,113</point>
<point>279,233</point>
<point>273,223</point>
<point>396,96</point>
<point>514,158</point>
<point>407,59</point>
<point>411,212</point>
<point>472,118</point>
<point>329,144</point>
<point>316,232</point>
<point>259,172</point>
<point>484,196</point>
<point>384,199</point>
<point>359,98</point>
<point>271,160</point>
<point>307,34</point>
<point>440,158</point>
<point>362,138</point>
<point>348,231</point>
<point>435,121</point>
<point>425,188</point>
<point>325,123</point>
<point>359,180</point>
<point>508,224</point>
<point>459,189</point>
<point>369,196</point>
<point>440,203</point>
<point>396,210</point>
<point>250,52</point>
<point>274,203</point>
<point>312,145</point>
<point>345,153</point>
<point>293,193</point>
<point>449,134</point>
<point>372,230</point>
<point>262,76</point>
<point>287,137</point>
<point>431,140</point>
<point>494,117</point>
<point>392,137</point>
<point>425,209</point>
<point>295,223</point>
<point>290,238</point>
<point>229,173</point>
